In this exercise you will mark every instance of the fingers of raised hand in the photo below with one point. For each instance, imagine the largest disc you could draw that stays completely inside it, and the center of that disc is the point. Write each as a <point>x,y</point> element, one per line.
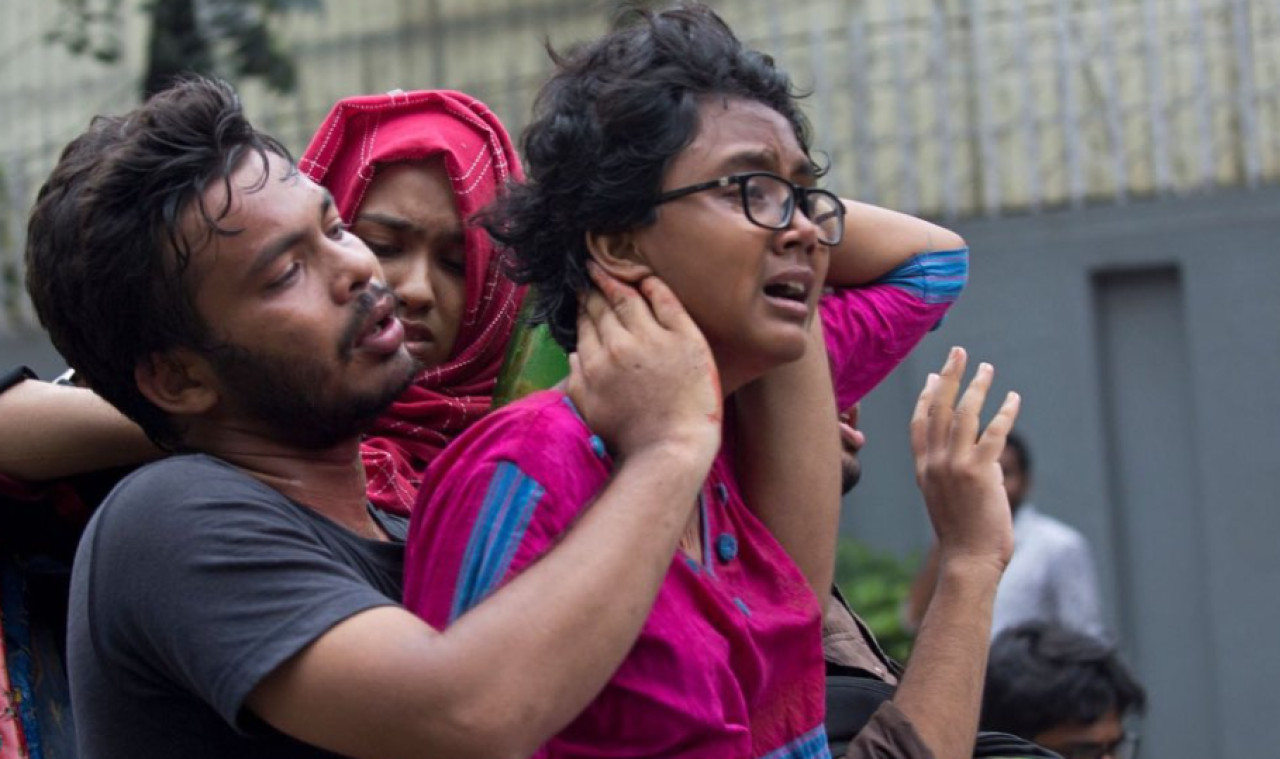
<point>667,308</point>
<point>624,300</point>
<point>588,332</point>
<point>920,418</point>
<point>993,437</point>
<point>965,420</point>
<point>941,405</point>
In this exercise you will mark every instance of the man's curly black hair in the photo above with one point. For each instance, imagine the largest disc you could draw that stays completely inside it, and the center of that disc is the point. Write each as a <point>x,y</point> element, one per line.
<point>108,243</point>
<point>606,127</point>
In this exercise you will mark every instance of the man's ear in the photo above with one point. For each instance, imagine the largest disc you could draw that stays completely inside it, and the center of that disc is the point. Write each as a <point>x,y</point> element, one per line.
<point>179,382</point>
<point>619,255</point>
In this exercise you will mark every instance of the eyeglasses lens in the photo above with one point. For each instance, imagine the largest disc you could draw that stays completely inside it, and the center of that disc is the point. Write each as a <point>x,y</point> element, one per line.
<point>770,203</point>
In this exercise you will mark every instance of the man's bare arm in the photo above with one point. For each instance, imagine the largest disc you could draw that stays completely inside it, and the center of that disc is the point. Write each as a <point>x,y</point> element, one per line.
<point>52,431</point>
<point>788,454</point>
<point>878,240</point>
<point>513,671</point>
<point>959,473</point>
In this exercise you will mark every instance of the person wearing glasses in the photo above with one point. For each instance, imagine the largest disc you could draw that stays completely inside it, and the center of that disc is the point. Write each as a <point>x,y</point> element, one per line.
<point>1063,689</point>
<point>665,161</point>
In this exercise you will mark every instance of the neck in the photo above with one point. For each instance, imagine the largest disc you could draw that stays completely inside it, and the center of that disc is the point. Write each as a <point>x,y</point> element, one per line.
<point>329,480</point>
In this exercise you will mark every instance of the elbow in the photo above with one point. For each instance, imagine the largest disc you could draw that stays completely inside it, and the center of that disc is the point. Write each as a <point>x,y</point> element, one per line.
<point>948,240</point>
<point>483,729</point>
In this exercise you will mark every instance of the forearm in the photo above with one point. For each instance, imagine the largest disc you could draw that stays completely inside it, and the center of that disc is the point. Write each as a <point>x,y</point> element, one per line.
<point>878,240</point>
<point>51,431</point>
<point>788,457</point>
<point>922,589</point>
<point>941,690</point>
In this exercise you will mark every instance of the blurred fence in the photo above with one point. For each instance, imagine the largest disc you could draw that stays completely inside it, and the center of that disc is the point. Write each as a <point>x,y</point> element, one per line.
<point>950,108</point>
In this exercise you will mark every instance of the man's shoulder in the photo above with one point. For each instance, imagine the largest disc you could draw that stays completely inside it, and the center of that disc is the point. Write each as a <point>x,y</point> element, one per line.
<point>182,469</point>
<point>182,490</point>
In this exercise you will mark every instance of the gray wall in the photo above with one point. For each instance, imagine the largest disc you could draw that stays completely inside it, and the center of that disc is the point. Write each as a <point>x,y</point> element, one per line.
<point>1145,340</point>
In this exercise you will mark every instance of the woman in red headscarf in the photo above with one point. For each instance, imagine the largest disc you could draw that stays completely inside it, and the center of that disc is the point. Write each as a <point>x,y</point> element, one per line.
<point>408,170</point>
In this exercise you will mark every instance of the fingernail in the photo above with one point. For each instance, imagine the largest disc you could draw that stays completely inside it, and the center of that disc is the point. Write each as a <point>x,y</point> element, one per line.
<point>985,367</point>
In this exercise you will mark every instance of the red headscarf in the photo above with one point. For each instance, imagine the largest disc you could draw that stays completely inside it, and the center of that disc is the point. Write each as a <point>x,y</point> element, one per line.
<point>362,133</point>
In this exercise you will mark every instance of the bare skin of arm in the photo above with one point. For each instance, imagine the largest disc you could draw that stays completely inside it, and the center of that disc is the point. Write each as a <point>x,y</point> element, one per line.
<point>878,240</point>
<point>959,474</point>
<point>788,444</point>
<point>51,431</point>
<point>921,590</point>
<point>384,684</point>
<point>788,453</point>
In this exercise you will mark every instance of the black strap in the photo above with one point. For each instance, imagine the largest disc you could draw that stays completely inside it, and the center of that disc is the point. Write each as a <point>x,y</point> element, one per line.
<point>851,700</point>
<point>14,376</point>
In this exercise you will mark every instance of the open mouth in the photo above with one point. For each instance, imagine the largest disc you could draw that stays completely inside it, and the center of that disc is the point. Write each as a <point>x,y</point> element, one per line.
<point>795,291</point>
<point>381,332</point>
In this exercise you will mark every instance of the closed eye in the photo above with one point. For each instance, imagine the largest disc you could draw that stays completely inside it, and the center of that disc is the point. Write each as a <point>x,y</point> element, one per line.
<point>286,277</point>
<point>337,230</point>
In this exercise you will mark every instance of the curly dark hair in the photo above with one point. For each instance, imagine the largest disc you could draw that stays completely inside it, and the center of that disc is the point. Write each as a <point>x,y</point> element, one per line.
<point>606,126</point>
<point>1043,675</point>
<point>107,248</point>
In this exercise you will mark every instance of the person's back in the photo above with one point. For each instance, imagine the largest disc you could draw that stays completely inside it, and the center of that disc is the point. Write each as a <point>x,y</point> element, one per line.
<point>1050,578</point>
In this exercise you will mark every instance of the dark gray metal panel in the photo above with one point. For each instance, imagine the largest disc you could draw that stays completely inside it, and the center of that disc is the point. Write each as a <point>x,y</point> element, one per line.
<point>1156,504</point>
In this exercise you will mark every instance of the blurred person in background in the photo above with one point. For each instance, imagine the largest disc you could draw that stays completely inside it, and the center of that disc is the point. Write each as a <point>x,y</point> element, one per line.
<point>1064,689</point>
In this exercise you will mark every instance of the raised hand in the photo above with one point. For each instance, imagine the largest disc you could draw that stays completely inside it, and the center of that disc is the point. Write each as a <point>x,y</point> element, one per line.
<point>643,374</point>
<point>958,464</point>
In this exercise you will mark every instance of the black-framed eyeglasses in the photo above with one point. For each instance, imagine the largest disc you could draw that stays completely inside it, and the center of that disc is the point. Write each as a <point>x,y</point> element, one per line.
<point>1124,748</point>
<point>770,202</point>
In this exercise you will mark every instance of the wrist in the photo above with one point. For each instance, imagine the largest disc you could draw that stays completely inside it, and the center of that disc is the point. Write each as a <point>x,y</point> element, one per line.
<point>976,571</point>
<point>693,449</point>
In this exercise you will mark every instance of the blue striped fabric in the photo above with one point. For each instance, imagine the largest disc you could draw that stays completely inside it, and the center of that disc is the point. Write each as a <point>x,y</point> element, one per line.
<point>811,745</point>
<point>936,277</point>
<point>504,516</point>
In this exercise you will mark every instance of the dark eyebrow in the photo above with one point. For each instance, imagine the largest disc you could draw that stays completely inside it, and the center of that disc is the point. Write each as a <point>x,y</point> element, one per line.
<point>386,220</point>
<point>399,224</point>
<point>283,244</point>
<point>764,160</point>
<point>749,160</point>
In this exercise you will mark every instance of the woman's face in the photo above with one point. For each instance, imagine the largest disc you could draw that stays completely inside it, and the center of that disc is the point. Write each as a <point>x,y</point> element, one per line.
<point>409,220</point>
<point>751,290</point>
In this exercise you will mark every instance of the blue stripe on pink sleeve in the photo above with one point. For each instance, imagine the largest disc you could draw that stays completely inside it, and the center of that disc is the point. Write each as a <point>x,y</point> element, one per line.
<point>936,277</point>
<point>811,745</point>
<point>499,528</point>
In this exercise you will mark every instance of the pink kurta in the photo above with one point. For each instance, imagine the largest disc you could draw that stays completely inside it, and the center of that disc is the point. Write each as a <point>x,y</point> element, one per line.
<point>729,662</point>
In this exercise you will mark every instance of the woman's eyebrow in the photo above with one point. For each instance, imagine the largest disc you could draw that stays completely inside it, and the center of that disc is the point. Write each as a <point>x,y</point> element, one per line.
<point>387,220</point>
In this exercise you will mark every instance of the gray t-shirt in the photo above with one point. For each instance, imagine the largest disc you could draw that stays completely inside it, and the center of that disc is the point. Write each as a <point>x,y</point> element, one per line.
<point>192,583</point>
